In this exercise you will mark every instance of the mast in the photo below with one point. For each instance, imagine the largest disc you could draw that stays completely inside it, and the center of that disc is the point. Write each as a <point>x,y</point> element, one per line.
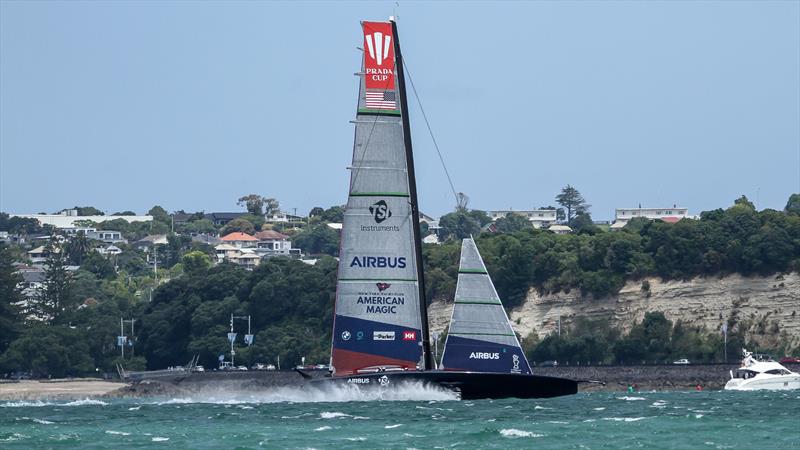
<point>412,186</point>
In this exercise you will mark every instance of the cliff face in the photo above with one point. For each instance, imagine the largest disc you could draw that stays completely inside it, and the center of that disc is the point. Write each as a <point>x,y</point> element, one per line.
<point>768,307</point>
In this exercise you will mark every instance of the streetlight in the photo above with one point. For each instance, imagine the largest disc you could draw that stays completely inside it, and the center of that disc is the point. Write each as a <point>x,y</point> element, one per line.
<point>248,338</point>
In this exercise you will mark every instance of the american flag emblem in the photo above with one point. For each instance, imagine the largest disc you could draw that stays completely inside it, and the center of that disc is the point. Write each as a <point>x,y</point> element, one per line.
<point>381,100</point>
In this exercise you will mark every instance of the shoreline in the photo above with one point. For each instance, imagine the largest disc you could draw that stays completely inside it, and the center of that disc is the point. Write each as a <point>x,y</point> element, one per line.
<point>610,379</point>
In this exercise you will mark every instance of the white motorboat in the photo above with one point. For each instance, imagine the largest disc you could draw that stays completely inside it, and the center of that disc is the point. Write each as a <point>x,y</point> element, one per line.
<point>757,375</point>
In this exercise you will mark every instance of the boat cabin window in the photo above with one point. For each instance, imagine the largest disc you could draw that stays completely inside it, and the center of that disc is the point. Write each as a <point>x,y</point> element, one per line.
<point>743,373</point>
<point>777,372</point>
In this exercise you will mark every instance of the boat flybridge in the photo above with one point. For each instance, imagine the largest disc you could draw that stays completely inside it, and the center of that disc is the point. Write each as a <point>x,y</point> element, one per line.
<point>755,375</point>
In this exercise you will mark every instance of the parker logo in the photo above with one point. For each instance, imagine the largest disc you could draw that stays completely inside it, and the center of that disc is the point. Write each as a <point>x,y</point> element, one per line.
<point>378,46</point>
<point>409,335</point>
<point>380,211</point>
<point>382,286</point>
<point>383,335</point>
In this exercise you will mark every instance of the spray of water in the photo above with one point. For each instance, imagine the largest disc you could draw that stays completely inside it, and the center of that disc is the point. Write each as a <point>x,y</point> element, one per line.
<point>316,394</point>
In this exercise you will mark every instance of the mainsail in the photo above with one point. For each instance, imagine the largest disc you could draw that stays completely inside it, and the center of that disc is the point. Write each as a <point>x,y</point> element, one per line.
<point>480,338</point>
<point>378,321</point>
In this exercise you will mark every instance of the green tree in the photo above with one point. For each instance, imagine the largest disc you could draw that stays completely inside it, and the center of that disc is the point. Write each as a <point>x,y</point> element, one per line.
<point>10,295</point>
<point>458,225</point>
<point>55,301</point>
<point>50,350</point>
<point>202,226</point>
<point>99,265</point>
<point>793,205</point>
<point>743,201</point>
<point>86,211</point>
<point>571,199</point>
<point>317,239</point>
<point>253,202</point>
<point>512,223</point>
<point>238,225</point>
<point>77,248</point>
<point>195,262</point>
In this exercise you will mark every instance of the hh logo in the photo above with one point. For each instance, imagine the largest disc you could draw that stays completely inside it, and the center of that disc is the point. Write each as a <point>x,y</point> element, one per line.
<point>380,211</point>
<point>409,335</point>
<point>383,286</point>
<point>378,46</point>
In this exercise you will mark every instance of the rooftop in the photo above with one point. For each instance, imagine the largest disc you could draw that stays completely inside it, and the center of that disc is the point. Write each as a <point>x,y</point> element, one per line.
<point>237,236</point>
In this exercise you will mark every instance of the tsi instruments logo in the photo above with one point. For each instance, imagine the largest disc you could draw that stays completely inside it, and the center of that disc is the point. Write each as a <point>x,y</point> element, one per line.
<point>380,213</point>
<point>383,335</point>
<point>484,355</point>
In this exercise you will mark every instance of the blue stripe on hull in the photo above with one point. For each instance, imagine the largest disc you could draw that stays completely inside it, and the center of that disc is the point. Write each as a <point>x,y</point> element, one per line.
<point>481,356</point>
<point>377,338</point>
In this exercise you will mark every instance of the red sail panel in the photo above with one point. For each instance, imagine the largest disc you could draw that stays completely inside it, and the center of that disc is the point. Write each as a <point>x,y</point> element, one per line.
<point>378,55</point>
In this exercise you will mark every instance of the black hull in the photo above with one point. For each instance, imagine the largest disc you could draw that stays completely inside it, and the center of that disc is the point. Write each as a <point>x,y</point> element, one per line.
<point>469,385</point>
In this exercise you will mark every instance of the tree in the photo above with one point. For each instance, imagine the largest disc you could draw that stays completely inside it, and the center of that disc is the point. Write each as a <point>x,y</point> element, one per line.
<point>334,214</point>
<point>458,225</point>
<point>195,262</point>
<point>159,215</point>
<point>77,248</point>
<point>512,223</point>
<point>793,204</point>
<point>316,211</point>
<point>55,301</point>
<point>86,211</point>
<point>238,224</point>
<point>10,295</point>
<point>253,202</point>
<point>571,199</point>
<point>50,350</point>
<point>318,239</point>
<point>99,265</point>
<point>582,223</point>
<point>743,201</point>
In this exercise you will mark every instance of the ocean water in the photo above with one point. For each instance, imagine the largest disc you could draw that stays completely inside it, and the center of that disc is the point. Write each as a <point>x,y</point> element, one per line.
<point>413,418</point>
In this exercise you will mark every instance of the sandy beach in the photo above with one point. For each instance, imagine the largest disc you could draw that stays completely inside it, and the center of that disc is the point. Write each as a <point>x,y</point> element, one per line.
<point>60,389</point>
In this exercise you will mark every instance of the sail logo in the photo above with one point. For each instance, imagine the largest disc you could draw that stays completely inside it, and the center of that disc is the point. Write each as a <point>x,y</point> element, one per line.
<point>358,380</point>
<point>380,211</point>
<point>382,286</point>
<point>346,336</point>
<point>515,364</point>
<point>379,51</point>
<point>384,380</point>
<point>383,336</point>
<point>484,355</point>
<point>379,262</point>
<point>409,335</point>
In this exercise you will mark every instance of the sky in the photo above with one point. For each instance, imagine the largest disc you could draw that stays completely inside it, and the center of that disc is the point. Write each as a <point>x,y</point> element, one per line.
<point>191,105</point>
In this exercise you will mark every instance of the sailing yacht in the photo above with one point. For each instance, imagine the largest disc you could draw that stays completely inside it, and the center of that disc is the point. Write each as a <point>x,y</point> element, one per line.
<point>380,331</point>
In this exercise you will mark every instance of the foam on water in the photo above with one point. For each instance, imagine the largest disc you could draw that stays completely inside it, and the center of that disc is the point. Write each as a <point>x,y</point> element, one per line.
<point>312,394</point>
<point>86,402</point>
<point>120,433</point>
<point>515,433</point>
<point>630,399</point>
<point>323,428</point>
<point>625,419</point>
<point>389,427</point>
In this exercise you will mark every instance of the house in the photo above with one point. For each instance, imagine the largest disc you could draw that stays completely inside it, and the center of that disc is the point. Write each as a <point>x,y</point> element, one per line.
<point>273,243</point>
<point>539,218</point>
<point>32,282</point>
<point>559,229</point>
<point>222,218</point>
<point>431,239</point>
<point>671,215</point>
<point>40,254</point>
<point>246,258</point>
<point>109,250</point>
<point>282,217</point>
<point>146,242</point>
<point>335,225</point>
<point>67,219</point>
<point>209,239</point>
<point>225,251</point>
<point>240,240</point>
<point>107,236</point>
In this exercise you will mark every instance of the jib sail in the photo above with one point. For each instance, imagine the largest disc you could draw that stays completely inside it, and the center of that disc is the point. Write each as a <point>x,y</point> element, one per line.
<point>480,338</point>
<point>377,320</point>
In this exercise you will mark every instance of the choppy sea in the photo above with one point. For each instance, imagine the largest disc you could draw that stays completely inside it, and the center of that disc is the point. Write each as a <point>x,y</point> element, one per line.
<point>415,418</point>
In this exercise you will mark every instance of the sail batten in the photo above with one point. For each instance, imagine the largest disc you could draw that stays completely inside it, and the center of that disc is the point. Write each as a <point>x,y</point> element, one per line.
<point>480,337</point>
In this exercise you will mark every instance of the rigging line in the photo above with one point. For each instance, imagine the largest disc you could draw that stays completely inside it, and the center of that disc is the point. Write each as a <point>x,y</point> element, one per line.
<point>430,131</point>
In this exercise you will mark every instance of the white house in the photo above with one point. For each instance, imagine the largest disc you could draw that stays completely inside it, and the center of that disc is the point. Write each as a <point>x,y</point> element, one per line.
<point>107,236</point>
<point>67,219</point>
<point>272,243</point>
<point>539,218</point>
<point>560,229</point>
<point>673,214</point>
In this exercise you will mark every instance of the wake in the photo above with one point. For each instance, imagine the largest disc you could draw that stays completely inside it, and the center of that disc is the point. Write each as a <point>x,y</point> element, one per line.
<point>328,393</point>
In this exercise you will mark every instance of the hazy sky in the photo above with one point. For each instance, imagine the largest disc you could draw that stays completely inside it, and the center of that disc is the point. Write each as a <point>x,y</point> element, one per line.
<point>123,105</point>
